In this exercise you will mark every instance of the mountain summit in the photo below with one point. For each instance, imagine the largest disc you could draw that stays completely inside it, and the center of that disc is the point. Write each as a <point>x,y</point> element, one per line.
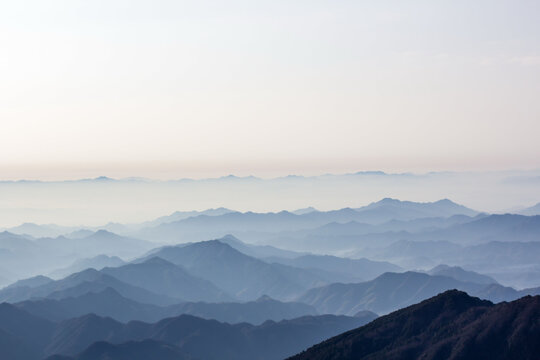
<point>451,325</point>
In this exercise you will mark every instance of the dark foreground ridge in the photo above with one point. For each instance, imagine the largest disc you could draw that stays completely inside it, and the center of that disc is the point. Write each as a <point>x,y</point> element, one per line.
<point>451,325</point>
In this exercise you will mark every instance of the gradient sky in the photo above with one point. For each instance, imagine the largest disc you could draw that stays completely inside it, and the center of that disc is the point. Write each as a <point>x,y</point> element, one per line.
<point>201,88</point>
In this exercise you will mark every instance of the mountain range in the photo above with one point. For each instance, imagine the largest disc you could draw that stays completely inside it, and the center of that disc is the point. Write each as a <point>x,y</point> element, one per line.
<point>451,325</point>
<point>293,280</point>
<point>109,303</point>
<point>25,256</point>
<point>80,283</point>
<point>204,226</point>
<point>97,262</point>
<point>460,274</point>
<point>28,337</point>
<point>242,276</point>
<point>392,291</point>
<point>350,269</point>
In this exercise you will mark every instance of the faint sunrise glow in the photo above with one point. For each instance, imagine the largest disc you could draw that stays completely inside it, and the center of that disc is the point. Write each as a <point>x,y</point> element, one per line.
<point>172,89</point>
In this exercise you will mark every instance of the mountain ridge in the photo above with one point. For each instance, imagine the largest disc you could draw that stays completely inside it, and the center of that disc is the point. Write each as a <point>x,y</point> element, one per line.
<point>451,325</point>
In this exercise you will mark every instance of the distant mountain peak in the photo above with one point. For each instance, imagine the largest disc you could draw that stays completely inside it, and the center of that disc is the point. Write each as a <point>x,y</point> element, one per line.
<point>103,232</point>
<point>31,282</point>
<point>86,273</point>
<point>230,238</point>
<point>445,201</point>
<point>304,211</point>
<point>156,260</point>
<point>378,173</point>
<point>213,242</point>
<point>264,298</point>
<point>388,200</point>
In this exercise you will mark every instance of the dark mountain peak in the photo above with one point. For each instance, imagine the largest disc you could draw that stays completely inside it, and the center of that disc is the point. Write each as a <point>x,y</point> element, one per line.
<point>453,299</point>
<point>432,329</point>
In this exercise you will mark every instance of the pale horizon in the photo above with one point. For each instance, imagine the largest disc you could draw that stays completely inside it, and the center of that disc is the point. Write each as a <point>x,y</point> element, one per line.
<point>196,89</point>
<point>92,201</point>
<point>212,174</point>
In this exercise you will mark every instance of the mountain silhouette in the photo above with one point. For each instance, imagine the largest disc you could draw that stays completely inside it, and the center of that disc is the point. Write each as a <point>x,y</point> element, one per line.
<point>392,291</point>
<point>392,209</point>
<point>460,274</point>
<point>109,303</point>
<point>28,337</point>
<point>451,325</point>
<point>163,277</point>
<point>363,269</point>
<point>97,262</point>
<point>242,276</point>
<point>30,282</point>
<point>131,350</point>
<point>203,226</point>
<point>202,339</point>
<point>89,280</point>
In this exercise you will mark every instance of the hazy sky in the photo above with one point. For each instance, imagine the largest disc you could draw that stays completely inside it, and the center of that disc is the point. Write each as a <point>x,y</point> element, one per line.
<point>202,88</point>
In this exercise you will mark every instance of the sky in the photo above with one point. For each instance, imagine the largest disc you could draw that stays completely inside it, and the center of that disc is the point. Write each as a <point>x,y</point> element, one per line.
<point>169,89</point>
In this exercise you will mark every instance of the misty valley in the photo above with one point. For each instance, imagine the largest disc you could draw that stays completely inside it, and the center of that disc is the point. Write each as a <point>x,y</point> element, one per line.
<point>390,280</point>
<point>269,180</point>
